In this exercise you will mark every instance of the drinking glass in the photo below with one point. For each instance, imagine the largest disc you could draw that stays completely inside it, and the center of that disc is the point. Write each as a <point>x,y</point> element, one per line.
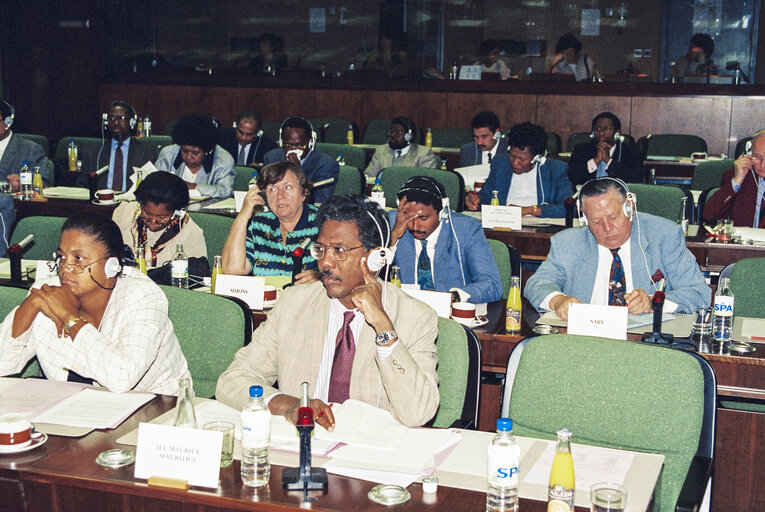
<point>608,497</point>
<point>227,449</point>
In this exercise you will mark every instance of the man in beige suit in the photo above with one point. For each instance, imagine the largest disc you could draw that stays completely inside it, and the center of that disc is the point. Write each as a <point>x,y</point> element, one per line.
<point>350,336</point>
<point>401,149</point>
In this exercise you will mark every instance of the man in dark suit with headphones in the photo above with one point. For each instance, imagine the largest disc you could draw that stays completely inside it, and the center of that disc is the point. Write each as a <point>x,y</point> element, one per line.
<point>297,139</point>
<point>14,150</point>
<point>401,149</point>
<point>122,151</point>
<point>246,141</point>
<point>441,250</point>
<point>607,153</point>
<point>488,142</point>
<point>617,258</point>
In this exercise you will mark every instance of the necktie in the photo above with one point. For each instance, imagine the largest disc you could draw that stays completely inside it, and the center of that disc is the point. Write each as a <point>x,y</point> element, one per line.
<point>488,156</point>
<point>242,158</point>
<point>424,275</point>
<point>601,170</point>
<point>117,174</point>
<point>342,364</point>
<point>616,282</point>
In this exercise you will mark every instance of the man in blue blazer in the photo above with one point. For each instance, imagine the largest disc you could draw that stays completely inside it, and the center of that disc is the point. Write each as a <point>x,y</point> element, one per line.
<point>297,139</point>
<point>527,178</point>
<point>584,263</point>
<point>457,257</point>
<point>488,142</point>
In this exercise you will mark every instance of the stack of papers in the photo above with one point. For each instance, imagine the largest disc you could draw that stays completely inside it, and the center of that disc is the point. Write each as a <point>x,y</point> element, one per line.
<point>67,193</point>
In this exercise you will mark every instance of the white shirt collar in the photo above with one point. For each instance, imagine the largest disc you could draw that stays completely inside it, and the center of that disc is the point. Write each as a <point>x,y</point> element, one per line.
<point>4,143</point>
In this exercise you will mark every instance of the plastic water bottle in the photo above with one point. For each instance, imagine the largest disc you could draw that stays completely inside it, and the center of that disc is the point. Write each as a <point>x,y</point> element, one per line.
<point>256,434</point>
<point>340,160</point>
<point>25,177</point>
<point>179,270</point>
<point>502,471</point>
<point>723,323</point>
<point>147,126</point>
<point>378,194</point>
<point>254,180</point>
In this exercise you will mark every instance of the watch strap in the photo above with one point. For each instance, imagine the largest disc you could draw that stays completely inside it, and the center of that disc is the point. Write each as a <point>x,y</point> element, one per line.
<point>71,323</point>
<point>385,337</point>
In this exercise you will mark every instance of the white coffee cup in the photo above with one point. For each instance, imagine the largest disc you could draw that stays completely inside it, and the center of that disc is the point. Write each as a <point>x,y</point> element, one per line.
<point>463,312</point>
<point>15,430</point>
<point>105,195</point>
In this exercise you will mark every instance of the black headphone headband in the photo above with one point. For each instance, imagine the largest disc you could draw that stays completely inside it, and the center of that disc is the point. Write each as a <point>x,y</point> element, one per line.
<point>8,120</point>
<point>303,119</point>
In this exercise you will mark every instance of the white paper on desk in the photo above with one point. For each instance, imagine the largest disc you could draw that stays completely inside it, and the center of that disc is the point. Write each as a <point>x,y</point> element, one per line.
<point>371,475</point>
<point>225,204</point>
<point>755,234</point>
<point>94,409</point>
<point>239,199</point>
<point>33,396</point>
<point>364,425</point>
<point>147,169</point>
<point>501,217</point>
<point>474,173</point>
<point>441,302</point>
<point>597,320</point>
<point>247,288</point>
<point>470,73</point>
<point>634,321</point>
<point>592,464</point>
<point>530,220</point>
<point>753,327</point>
<point>68,192</point>
<point>26,266</point>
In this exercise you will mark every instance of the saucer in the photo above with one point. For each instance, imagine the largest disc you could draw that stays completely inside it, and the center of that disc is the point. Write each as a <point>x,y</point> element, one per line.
<point>105,203</point>
<point>38,439</point>
<point>268,304</point>
<point>472,322</point>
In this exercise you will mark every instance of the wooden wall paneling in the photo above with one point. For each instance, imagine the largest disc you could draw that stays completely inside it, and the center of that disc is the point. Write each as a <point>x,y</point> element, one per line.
<point>311,103</point>
<point>705,116</point>
<point>747,117</point>
<point>225,103</point>
<point>511,108</point>
<point>427,109</point>
<point>565,115</point>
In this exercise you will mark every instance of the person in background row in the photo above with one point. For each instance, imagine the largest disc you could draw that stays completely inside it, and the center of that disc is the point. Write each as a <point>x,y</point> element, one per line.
<point>401,149</point>
<point>698,59</point>
<point>14,150</point>
<point>246,142</point>
<point>570,59</point>
<point>490,61</point>
<point>392,62</point>
<point>527,178</point>
<point>158,221</point>
<point>488,142</point>
<point>604,155</point>
<point>97,321</point>
<point>297,140</point>
<point>262,244</point>
<point>121,152</point>
<point>272,58</point>
<point>197,159</point>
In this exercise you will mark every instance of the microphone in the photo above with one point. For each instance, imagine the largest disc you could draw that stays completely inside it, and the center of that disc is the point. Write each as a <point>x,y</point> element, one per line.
<point>18,247</point>
<point>656,336</point>
<point>99,172</point>
<point>297,257</point>
<point>323,183</point>
<point>14,255</point>
<point>304,478</point>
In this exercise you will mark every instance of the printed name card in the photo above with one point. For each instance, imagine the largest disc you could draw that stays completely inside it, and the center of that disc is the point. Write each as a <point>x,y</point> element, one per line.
<point>441,302</point>
<point>501,217</point>
<point>596,320</point>
<point>470,72</point>
<point>188,454</point>
<point>247,288</point>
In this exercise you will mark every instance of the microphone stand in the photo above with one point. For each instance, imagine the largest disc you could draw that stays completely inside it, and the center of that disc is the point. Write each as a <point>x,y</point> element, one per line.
<point>656,336</point>
<point>14,255</point>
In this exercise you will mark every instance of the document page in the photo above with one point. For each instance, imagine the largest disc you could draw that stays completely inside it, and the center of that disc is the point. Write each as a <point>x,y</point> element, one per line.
<point>33,396</point>
<point>94,409</point>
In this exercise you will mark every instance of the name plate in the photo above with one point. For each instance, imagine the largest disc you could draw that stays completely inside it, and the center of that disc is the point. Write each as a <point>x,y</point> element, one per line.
<point>501,217</point>
<point>247,288</point>
<point>188,454</point>
<point>596,320</point>
<point>470,72</point>
<point>441,302</point>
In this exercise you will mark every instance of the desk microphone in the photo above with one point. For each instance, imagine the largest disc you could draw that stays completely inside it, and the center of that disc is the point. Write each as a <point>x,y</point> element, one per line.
<point>323,183</point>
<point>657,336</point>
<point>18,247</point>
<point>14,255</point>
<point>99,172</point>
<point>304,478</point>
<point>297,257</point>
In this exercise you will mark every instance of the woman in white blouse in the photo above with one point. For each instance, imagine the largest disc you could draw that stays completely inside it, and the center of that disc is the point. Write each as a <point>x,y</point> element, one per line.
<point>97,320</point>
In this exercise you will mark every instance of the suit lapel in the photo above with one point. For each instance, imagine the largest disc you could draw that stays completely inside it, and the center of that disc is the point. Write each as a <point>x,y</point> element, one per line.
<point>314,342</point>
<point>441,259</point>
<point>588,267</point>
<point>9,155</point>
<point>639,248</point>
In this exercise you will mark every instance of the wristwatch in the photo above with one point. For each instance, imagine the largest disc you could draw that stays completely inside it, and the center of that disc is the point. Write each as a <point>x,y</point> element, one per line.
<point>71,323</point>
<point>385,338</point>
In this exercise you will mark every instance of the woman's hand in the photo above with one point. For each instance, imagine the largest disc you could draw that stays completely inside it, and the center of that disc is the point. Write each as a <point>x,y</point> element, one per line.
<point>251,199</point>
<point>58,303</point>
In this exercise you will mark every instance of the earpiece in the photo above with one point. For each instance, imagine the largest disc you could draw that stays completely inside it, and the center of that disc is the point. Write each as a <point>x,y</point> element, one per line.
<point>311,142</point>
<point>618,137</point>
<point>180,213</point>
<point>112,267</point>
<point>539,159</point>
<point>497,135</point>
<point>259,134</point>
<point>592,135</point>
<point>9,119</point>
<point>105,119</point>
<point>383,255</point>
<point>747,147</point>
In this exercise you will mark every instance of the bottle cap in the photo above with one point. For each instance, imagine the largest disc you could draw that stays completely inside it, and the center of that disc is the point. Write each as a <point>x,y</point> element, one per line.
<point>564,433</point>
<point>377,181</point>
<point>256,391</point>
<point>504,424</point>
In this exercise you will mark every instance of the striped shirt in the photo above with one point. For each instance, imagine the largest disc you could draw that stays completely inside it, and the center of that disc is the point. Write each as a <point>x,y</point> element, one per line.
<point>263,245</point>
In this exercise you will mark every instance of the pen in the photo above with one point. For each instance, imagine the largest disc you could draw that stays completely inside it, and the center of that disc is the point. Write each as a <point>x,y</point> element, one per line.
<point>321,413</point>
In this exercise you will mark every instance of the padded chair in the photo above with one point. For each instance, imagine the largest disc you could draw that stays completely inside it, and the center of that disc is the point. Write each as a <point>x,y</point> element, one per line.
<point>215,228</point>
<point>747,282</point>
<point>393,178</point>
<point>741,146</point>
<point>42,140</point>
<point>350,180</point>
<point>353,156</point>
<point>508,260</point>
<point>271,129</point>
<point>47,231</point>
<point>210,329</point>
<point>51,170</point>
<point>577,138</point>
<point>84,145</point>
<point>170,125</point>
<point>336,131</point>
<point>451,137</point>
<point>625,395</point>
<point>243,177</point>
<point>709,173</point>
<point>553,143</point>
<point>663,200</point>
<point>376,132</point>
<point>674,144</point>
<point>459,375</point>
<point>158,141</point>
<point>703,202</point>
<point>10,297</point>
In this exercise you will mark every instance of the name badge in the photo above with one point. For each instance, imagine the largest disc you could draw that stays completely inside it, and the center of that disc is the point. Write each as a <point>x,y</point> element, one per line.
<point>501,217</point>
<point>178,453</point>
<point>247,288</point>
<point>597,320</point>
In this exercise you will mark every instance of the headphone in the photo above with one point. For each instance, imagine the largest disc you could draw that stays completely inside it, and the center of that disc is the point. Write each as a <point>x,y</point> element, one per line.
<point>628,206</point>
<point>539,159</point>
<point>112,267</point>
<point>312,140</point>
<point>9,119</point>
<point>618,137</point>
<point>383,255</point>
<point>409,125</point>
<point>133,122</point>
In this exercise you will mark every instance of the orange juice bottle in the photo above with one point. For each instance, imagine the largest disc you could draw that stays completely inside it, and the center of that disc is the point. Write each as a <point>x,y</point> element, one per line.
<point>349,135</point>
<point>513,310</point>
<point>72,154</point>
<point>494,198</point>
<point>560,492</point>
<point>140,258</point>
<point>217,269</point>
<point>429,139</point>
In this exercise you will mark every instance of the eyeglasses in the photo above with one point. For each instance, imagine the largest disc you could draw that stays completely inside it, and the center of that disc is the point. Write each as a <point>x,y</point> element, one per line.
<point>71,268</point>
<point>113,118</point>
<point>318,251</point>
<point>290,147</point>
<point>396,133</point>
<point>159,220</point>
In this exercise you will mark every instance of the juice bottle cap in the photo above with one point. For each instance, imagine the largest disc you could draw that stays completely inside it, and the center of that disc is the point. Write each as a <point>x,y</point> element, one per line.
<point>504,424</point>
<point>564,433</point>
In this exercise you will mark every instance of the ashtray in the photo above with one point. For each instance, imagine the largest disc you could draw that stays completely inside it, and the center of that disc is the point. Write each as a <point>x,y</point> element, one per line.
<point>742,347</point>
<point>545,329</point>
<point>115,458</point>
<point>389,494</point>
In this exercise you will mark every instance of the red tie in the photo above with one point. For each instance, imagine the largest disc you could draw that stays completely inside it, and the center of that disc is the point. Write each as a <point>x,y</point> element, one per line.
<point>117,174</point>
<point>345,349</point>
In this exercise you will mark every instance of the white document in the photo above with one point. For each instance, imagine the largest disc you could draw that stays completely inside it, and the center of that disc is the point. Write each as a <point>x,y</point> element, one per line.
<point>247,288</point>
<point>755,234</point>
<point>94,409</point>
<point>365,426</point>
<point>470,72</point>
<point>239,199</point>
<point>225,204</point>
<point>26,267</point>
<point>33,396</point>
<point>441,302</point>
<point>597,320</point>
<point>187,454</point>
<point>753,328</point>
<point>474,173</point>
<point>501,217</point>
<point>67,192</point>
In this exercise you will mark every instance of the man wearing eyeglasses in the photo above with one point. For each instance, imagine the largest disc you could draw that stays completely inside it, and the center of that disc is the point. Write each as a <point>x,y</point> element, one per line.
<point>120,152</point>
<point>349,336</point>
<point>401,149</point>
<point>297,139</point>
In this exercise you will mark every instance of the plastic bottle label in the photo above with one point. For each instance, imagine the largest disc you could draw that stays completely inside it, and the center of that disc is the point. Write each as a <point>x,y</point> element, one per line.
<point>724,305</point>
<point>256,428</point>
<point>503,465</point>
<point>179,269</point>
<point>25,178</point>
